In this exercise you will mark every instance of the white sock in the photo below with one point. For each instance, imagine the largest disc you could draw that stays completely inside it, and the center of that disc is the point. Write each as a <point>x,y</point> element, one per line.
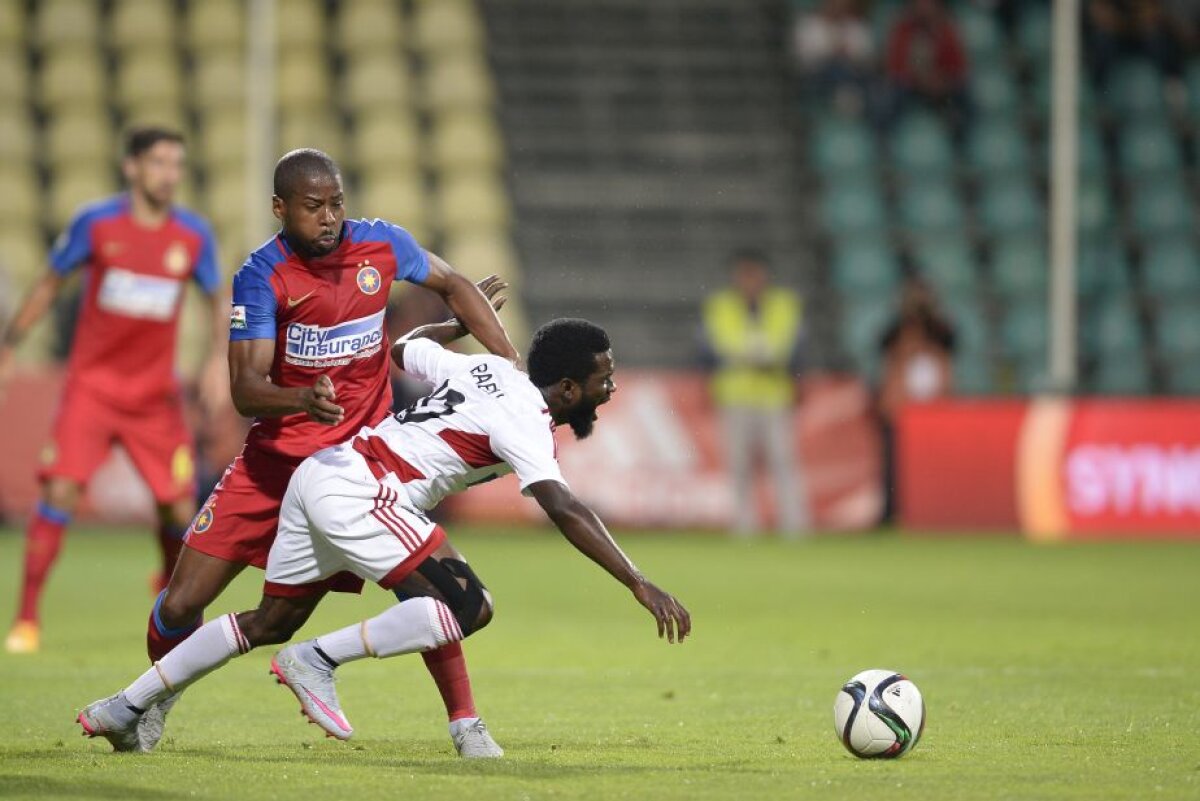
<point>209,647</point>
<point>418,624</point>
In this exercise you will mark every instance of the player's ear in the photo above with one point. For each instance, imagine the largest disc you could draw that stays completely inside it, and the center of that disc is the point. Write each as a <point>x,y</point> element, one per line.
<point>277,207</point>
<point>129,169</point>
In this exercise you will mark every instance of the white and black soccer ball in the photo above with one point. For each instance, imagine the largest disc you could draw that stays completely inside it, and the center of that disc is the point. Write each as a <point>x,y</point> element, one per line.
<point>879,714</point>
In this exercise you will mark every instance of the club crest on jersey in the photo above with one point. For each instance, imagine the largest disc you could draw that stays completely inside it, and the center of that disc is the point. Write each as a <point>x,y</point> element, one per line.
<point>175,260</point>
<point>204,520</point>
<point>369,280</point>
<point>317,346</point>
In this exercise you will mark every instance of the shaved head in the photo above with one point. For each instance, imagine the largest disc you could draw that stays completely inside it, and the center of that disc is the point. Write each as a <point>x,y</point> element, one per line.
<point>299,168</point>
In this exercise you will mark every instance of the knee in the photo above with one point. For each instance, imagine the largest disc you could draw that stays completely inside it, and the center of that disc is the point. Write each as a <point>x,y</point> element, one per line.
<point>61,494</point>
<point>175,610</point>
<point>482,617</point>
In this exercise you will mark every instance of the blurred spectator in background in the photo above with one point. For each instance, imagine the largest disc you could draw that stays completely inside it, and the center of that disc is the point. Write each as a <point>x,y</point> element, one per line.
<point>752,333</point>
<point>835,51</point>
<point>927,63</point>
<point>917,347</point>
<point>1114,29</point>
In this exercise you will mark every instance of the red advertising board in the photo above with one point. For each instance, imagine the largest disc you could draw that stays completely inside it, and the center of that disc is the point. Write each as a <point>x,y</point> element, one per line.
<point>1054,468</point>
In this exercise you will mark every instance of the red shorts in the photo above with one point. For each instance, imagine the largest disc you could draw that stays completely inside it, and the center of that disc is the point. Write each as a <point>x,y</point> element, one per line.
<point>156,437</point>
<point>237,523</point>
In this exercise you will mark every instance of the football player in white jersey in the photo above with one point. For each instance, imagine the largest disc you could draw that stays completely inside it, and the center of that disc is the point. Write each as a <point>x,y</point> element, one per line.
<point>359,507</point>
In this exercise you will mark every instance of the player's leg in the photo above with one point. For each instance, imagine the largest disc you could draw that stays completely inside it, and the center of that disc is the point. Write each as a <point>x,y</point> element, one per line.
<point>739,454</point>
<point>160,447</point>
<point>179,609</point>
<point>82,432</point>
<point>117,718</point>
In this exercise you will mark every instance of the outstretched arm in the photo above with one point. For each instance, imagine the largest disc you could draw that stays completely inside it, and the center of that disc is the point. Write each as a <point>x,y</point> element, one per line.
<point>583,529</point>
<point>470,307</point>
<point>32,309</point>
<point>451,330</point>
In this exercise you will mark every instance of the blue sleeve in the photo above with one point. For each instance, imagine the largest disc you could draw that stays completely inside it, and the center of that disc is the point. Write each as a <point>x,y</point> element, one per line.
<point>207,274</point>
<point>254,305</point>
<point>74,244</point>
<point>412,263</point>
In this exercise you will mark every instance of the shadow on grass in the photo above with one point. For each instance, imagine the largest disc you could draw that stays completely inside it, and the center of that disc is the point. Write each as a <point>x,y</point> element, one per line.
<point>46,787</point>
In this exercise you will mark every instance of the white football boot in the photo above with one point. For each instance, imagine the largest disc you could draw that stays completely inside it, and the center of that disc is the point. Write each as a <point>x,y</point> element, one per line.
<point>473,741</point>
<point>113,719</point>
<point>298,668</point>
<point>150,727</point>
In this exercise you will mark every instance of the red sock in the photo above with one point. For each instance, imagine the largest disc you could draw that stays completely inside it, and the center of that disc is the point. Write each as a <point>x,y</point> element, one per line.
<point>160,640</point>
<point>448,667</point>
<point>43,539</point>
<point>170,542</point>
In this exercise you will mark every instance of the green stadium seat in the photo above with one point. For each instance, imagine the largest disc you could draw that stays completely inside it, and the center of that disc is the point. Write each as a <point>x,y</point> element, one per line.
<point>14,76</point>
<point>1177,327</point>
<point>13,32</point>
<point>369,25</point>
<point>447,26</point>
<point>1183,378</point>
<point>997,146</point>
<point>219,81</point>
<point>1149,147</point>
<point>1094,206</point>
<point>1121,375</point>
<point>1093,163</point>
<point>134,24</point>
<point>862,326</point>
<point>1192,77</point>
<point>376,80</point>
<point>967,316</point>
<point>300,24</point>
<point>222,140</point>
<point>930,206</point>
<point>79,135</point>
<point>1162,207</point>
<point>865,266</point>
<point>215,25</point>
<point>1024,329</point>
<point>71,77</point>
<point>148,77</point>
<point>19,206</point>
<point>1135,90</point>
<point>466,140</point>
<point>386,139</point>
<point>457,82</point>
<point>76,184</point>
<point>302,80</point>
<point>974,373</point>
<point>842,146</point>
<point>853,207</point>
<point>1034,32</point>
<point>23,256</point>
<point>982,34</point>
<point>321,130</point>
<point>921,145</point>
<point>67,24</point>
<point>1171,267</point>
<point>994,91</point>
<point>1103,268</point>
<point>1011,206</point>
<point>483,254</point>
<point>170,115</point>
<point>946,262</point>
<point>1110,326</point>
<point>472,202</point>
<point>398,196</point>
<point>1019,269</point>
<point>17,137</point>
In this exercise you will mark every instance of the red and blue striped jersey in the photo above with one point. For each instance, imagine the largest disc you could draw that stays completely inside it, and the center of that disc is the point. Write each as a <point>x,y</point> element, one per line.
<point>125,335</point>
<point>325,316</point>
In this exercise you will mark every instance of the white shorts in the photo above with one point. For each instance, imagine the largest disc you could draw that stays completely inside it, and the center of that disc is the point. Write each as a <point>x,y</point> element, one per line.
<point>339,515</point>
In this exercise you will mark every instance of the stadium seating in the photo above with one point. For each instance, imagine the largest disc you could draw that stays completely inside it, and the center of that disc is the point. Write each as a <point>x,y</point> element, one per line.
<point>369,26</point>
<point>136,24</point>
<point>66,24</point>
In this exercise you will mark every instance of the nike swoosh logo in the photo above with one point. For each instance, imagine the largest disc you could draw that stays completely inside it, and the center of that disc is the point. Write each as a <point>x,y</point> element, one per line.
<point>299,300</point>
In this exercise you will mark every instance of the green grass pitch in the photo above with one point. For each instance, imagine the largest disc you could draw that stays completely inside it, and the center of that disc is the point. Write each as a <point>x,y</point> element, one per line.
<point>1065,672</point>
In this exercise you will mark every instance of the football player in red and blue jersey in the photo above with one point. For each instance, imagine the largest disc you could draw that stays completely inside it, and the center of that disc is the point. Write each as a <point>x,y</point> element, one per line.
<point>137,252</point>
<point>308,360</point>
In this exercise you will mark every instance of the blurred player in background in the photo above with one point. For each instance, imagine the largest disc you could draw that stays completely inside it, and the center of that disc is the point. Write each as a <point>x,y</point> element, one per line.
<point>752,333</point>
<point>137,251</point>
<point>361,507</point>
<point>308,360</point>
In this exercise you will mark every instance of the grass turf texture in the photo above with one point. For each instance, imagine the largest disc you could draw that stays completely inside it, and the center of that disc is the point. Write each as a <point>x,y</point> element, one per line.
<point>1049,672</point>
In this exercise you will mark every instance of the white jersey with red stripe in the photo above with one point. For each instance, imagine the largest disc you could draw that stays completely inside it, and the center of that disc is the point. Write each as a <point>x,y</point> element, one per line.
<point>484,419</point>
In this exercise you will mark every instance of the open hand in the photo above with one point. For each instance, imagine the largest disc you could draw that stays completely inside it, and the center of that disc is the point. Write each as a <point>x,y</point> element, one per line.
<point>674,622</point>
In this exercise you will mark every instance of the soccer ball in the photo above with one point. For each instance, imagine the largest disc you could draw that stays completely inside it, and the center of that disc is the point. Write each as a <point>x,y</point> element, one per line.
<point>879,714</point>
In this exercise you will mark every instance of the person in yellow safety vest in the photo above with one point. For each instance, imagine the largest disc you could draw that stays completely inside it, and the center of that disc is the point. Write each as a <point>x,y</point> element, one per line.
<point>753,335</point>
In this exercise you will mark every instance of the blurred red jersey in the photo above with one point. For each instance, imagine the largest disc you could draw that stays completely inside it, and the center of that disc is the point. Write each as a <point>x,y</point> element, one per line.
<point>124,346</point>
<point>325,316</point>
